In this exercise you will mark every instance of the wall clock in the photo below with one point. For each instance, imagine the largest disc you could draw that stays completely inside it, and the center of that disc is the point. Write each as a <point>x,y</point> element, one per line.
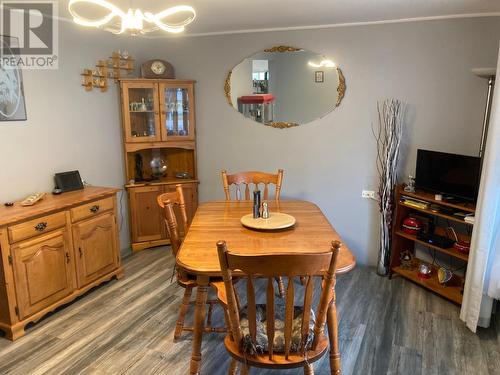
<point>157,69</point>
<point>12,106</point>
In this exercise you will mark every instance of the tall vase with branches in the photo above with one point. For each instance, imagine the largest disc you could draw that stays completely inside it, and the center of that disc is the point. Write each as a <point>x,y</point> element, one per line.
<point>388,134</point>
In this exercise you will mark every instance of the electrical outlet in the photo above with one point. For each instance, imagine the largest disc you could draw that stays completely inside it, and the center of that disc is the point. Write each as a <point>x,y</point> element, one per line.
<point>368,194</point>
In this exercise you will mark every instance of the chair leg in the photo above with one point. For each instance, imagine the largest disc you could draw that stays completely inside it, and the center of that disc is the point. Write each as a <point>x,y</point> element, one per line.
<point>182,312</point>
<point>308,370</point>
<point>233,367</point>
<point>209,314</point>
<point>227,323</point>
<point>245,369</point>
<point>333,335</point>
<point>238,305</point>
<point>281,286</point>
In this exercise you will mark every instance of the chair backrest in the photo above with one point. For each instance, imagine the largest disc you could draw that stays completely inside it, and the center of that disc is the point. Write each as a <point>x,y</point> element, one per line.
<point>167,201</point>
<point>272,266</point>
<point>252,178</point>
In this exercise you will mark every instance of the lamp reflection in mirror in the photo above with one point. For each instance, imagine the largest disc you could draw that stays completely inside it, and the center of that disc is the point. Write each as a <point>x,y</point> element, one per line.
<point>132,20</point>
<point>323,64</point>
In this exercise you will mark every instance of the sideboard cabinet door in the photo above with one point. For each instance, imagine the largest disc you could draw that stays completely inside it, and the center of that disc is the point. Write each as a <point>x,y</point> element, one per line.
<point>96,248</point>
<point>43,271</point>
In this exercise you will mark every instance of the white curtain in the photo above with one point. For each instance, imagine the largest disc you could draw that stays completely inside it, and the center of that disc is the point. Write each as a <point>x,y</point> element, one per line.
<point>483,272</point>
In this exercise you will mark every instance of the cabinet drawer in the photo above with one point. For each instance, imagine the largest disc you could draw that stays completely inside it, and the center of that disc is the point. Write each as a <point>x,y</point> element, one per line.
<point>91,209</point>
<point>35,227</point>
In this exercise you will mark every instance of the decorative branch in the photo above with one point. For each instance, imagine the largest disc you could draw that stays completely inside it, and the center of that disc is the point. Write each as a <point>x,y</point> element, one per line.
<point>387,134</point>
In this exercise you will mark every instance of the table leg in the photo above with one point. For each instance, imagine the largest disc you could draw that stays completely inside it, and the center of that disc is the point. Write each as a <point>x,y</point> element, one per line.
<point>199,322</point>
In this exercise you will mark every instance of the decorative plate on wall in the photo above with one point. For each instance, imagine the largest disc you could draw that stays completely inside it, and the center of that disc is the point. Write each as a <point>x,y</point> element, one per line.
<point>285,86</point>
<point>12,106</point>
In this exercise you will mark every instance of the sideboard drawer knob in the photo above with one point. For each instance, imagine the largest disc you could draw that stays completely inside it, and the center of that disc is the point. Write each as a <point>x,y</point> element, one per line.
<point>94,208</point>
<point>41,226</point>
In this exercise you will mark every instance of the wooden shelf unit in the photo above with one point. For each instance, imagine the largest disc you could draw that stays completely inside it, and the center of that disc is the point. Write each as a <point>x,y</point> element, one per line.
<point>165,129</point>
<point>429,197</point>
<point>402,241</point>
<point>451,291</point>
<point>438,214</point>
<point>449,251</point>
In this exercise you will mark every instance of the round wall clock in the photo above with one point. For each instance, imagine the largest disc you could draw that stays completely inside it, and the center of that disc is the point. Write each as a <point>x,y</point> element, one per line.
<point>157,69</point>
<point>12,105</point>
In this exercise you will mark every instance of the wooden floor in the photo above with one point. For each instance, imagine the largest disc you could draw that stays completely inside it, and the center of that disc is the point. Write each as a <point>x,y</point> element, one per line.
<point>126,327</point>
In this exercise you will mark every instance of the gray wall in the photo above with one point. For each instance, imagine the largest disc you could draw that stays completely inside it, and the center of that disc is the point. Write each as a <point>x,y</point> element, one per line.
<point>328,161</point>
<point>67,128</point>
<point>331,160</point>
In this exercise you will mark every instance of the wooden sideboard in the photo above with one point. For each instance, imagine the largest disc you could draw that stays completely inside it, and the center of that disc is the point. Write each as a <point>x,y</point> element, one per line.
<point>53,252</point>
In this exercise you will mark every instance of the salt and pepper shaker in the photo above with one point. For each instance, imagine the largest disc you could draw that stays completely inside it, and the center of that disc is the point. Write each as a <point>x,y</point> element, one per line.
<point>256,204</point>
<point>265,210</point>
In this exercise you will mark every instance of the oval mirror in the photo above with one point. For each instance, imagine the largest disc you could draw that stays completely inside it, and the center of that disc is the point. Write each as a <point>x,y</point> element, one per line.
<point>285,86</point>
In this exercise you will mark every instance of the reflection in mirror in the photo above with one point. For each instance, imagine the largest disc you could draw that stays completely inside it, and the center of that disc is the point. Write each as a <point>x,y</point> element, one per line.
<point>285,86</point>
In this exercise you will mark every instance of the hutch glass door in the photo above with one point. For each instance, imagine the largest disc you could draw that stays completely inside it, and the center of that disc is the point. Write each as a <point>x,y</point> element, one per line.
<point>141,112</point>
<point>177,115</point>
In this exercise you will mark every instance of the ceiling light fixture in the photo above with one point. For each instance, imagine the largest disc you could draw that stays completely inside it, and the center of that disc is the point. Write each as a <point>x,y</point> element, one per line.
<point>323,64</point>
<point>133,20</point>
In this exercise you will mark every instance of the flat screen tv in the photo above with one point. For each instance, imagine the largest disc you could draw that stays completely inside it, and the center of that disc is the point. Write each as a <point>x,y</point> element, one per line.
<point>448,174</point>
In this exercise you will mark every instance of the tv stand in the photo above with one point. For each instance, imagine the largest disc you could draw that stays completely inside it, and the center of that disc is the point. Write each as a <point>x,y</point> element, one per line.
<point>403,242</point>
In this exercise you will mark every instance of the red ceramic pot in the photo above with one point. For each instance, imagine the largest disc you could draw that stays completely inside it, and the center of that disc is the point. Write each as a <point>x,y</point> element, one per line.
<point>411,225</point>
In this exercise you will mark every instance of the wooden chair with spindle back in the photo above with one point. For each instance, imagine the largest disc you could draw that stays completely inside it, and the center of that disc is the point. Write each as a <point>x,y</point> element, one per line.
<point>256,179</point>
<point>167,201</point>
<point>252,178</point>
<point>302,340</point>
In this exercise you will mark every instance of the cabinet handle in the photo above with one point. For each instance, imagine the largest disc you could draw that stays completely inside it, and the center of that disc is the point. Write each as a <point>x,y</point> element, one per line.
<point>80,251</point>
<point>67,258</point>
<point>41,226</point>
<point>94,208</point>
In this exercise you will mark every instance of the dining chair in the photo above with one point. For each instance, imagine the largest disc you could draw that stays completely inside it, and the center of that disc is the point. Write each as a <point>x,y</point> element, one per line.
<point>168,202</point>
<point>274,335</point>
<point>256,179</point>
<point>252,178</point>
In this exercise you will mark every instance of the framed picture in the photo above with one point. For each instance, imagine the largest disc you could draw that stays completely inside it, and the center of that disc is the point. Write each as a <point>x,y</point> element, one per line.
<point>12,105</point>
<point>319,76</point>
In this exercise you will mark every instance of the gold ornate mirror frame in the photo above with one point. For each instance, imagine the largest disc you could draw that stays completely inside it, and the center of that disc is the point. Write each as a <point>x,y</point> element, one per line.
<point>280,124</point>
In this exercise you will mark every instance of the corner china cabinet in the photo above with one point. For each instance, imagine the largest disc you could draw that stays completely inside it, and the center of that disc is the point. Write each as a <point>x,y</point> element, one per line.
<point>158,118</point>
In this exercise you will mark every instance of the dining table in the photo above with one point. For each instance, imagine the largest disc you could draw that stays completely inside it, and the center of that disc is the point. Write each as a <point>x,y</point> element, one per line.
<point>221,220</point>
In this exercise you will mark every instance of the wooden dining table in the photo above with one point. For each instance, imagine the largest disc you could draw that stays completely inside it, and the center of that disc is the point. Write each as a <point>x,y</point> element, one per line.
<point>220,220</point>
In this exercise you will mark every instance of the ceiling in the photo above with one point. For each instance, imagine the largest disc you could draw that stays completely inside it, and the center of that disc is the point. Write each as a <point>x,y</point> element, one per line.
<point>230,16</point>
